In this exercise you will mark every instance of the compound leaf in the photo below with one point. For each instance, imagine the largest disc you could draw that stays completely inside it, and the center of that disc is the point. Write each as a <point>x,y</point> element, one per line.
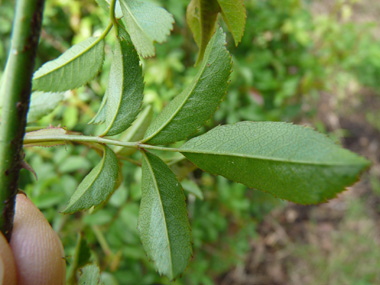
<point>97,186</point>
<point>74,68</point>
<point>201,16</point>
<point>146,23</point>
<point>125,88</point>
<point>196,104</point>
<point>163,223</point>
<point>234,15</point>
<point>42,104</point>
<point>291,162</point>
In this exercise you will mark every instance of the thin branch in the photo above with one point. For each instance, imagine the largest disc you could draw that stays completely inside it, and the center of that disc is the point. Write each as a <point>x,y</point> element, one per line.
<point>16,97</point>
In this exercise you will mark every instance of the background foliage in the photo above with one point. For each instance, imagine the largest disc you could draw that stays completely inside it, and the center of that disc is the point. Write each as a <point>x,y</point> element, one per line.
<point>287,57</point>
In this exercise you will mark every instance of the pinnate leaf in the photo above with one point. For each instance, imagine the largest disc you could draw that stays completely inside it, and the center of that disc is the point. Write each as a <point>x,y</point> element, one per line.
<point>125,88</point>
<point>98,185</point>
<point>291,162</point>
<point>189,110</point>
<point>163,222</point>
<point>146,23</point>
<point>74,68</point>
<point>201,16</point>
<point>234,15</point>
<point>42,104</point>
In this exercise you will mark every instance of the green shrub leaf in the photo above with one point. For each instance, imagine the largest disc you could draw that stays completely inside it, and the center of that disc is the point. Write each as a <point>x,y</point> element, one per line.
<point>192,188</point>
<point>201,16</point>
<point>163,223</point>
<point>90,274</point>
<point>74,68</point>
<point>234,15</point>
<point>97,186</point>
<point>291,162</point>
<point>42,104</point>
<point>146,23</point>
<point>196,104</point>
<point>136,131</point>
<point>100,116</point>
<point>125,88</point>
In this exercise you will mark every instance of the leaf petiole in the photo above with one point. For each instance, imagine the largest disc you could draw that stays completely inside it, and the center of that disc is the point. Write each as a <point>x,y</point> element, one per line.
<point>112,16</point>
<point>31,140</point>
<point>105,33</point>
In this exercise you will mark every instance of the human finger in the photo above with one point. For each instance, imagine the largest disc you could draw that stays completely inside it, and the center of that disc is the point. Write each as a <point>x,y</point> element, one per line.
<point>7,263</point>
<point>37,249</point>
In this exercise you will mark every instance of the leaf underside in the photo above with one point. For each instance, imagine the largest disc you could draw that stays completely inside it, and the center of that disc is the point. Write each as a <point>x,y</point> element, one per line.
<point>125,88</point>
<point>97,186</point>
<point>146,23</point>
<point>201,16</point>
<point>42,104</point>
<point>188,111</point>
<point>74,68</point>
<point>234,15</point>
<point>100,116</point>
<point>163,222</point>
<point>90,274</point>
<point>291,162</point>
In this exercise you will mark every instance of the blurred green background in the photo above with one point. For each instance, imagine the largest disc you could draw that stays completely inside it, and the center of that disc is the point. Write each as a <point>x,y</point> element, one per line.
<point>294,55</point>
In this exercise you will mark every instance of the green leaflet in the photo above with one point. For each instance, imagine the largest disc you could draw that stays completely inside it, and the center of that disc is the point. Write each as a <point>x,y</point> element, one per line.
<point>196,104</point>
<point>100,116</point>
<point>291,162</point>
<point>136,131</point>
<point>97,186</point>
<point>146,23</point>
<point>74,68</point>
<point>89,275</point>
<point>163,223</point>
<point>192,188</point>
<point>42,104</point>
<point>201,16</point>
<point>125,88</point>
<point>234,15</point>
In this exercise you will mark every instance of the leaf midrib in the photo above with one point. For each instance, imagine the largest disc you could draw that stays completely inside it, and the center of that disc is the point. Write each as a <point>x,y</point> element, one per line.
<point>162,210</point>
<point>259,157</point>
<point>74,58</point>
<point>204,67</point>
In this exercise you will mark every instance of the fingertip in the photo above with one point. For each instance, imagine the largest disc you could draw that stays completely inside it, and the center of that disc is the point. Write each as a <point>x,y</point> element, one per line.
<point>37,249</point>
<point>7,264</point>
